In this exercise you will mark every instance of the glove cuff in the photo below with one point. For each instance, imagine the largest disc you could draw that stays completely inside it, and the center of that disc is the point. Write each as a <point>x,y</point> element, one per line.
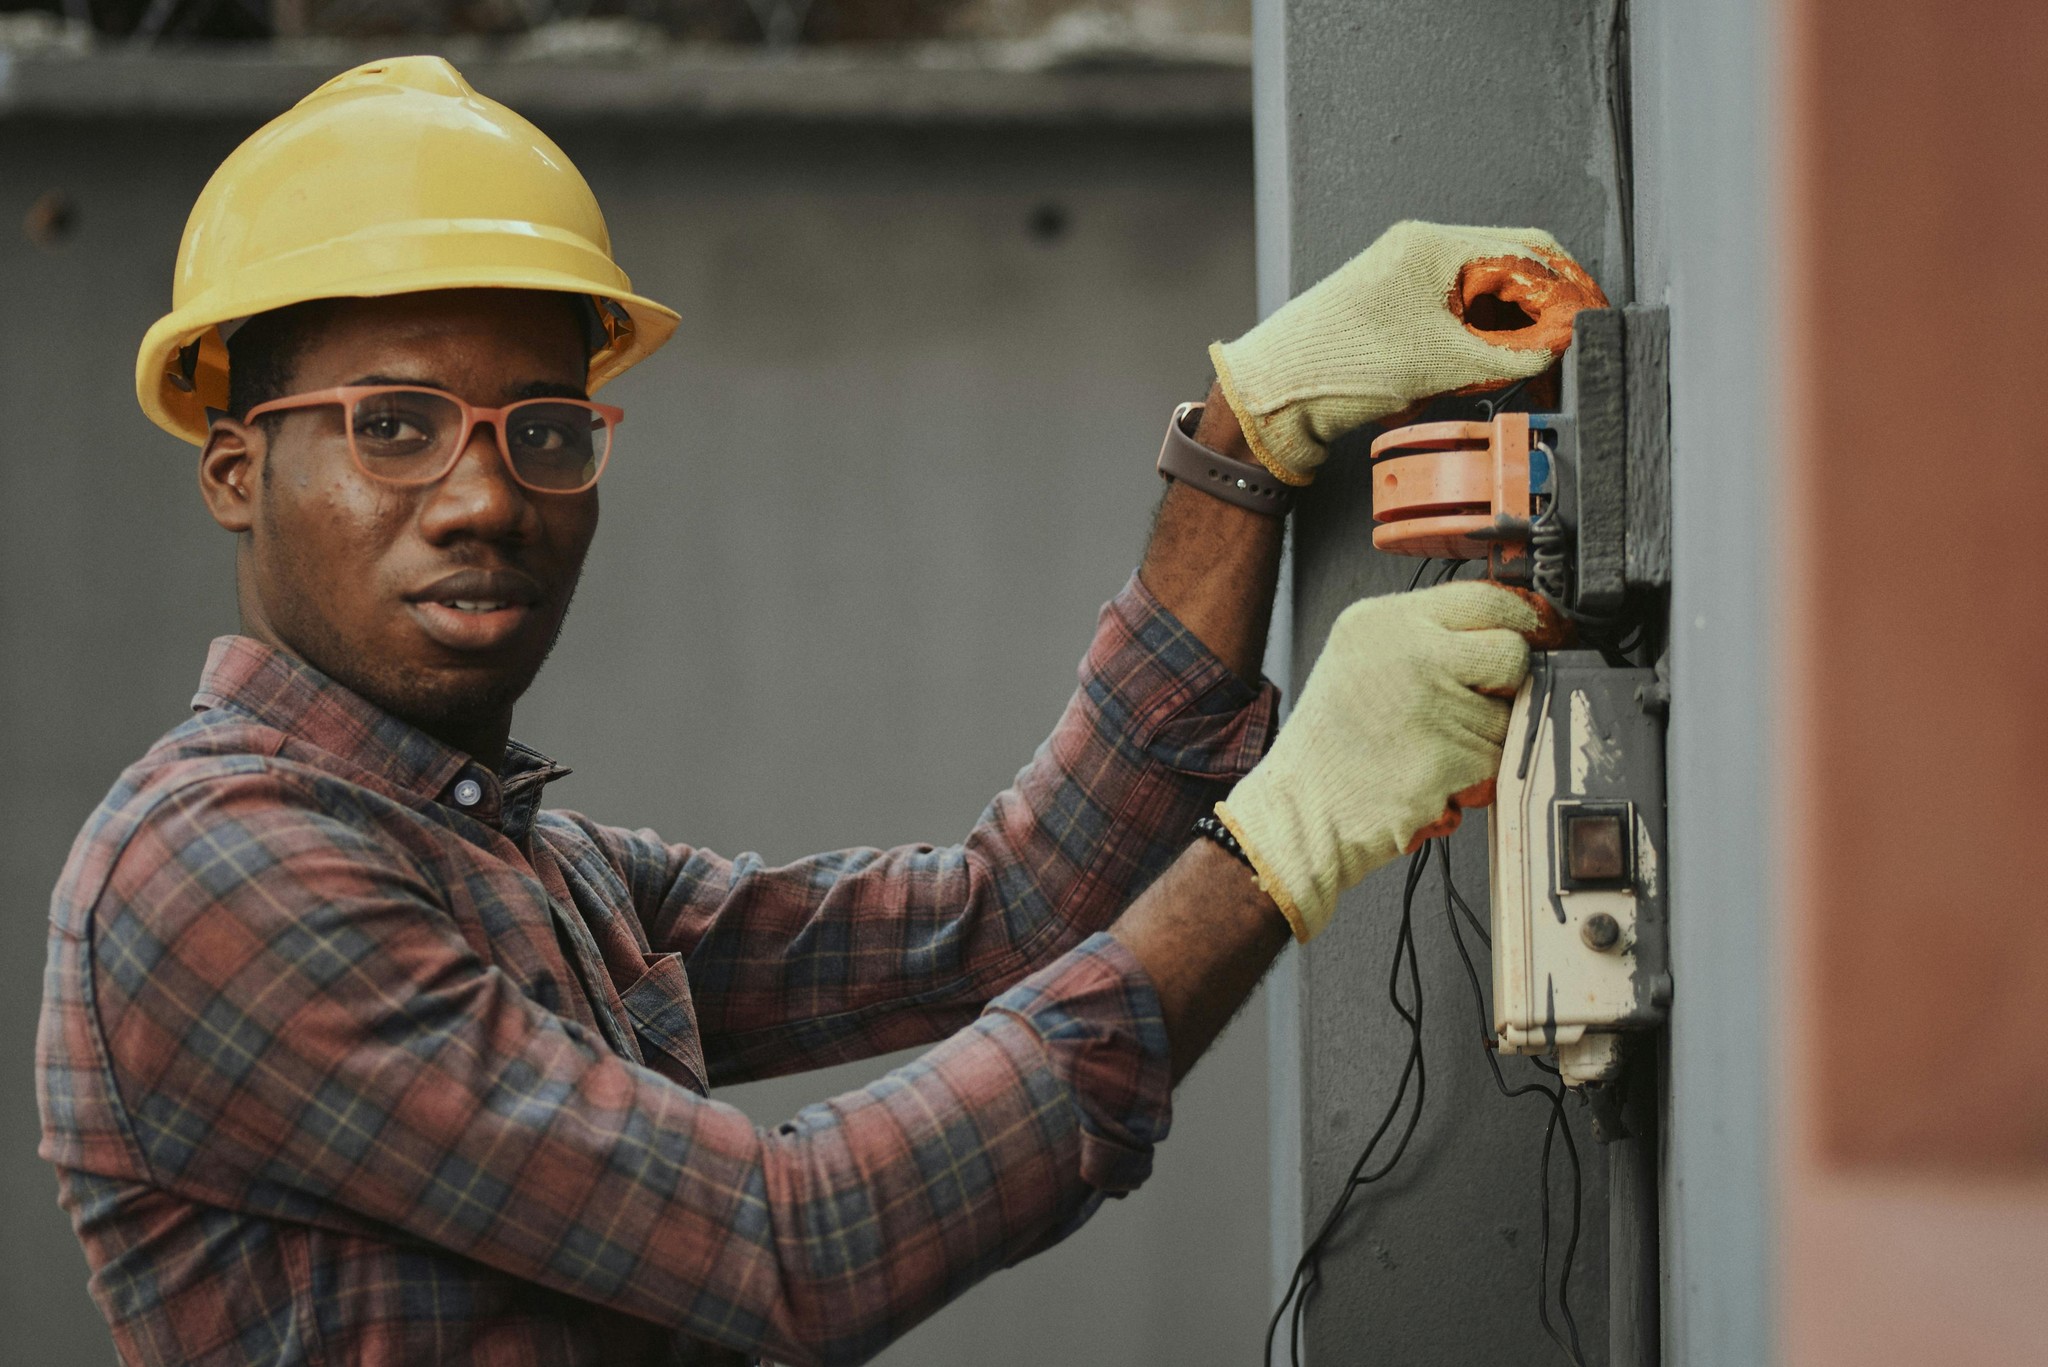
<point>1252,423</point>
<point>1304,925</point>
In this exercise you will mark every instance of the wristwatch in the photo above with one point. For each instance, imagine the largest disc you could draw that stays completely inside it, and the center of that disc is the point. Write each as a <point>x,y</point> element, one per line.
<point>1250,486</point>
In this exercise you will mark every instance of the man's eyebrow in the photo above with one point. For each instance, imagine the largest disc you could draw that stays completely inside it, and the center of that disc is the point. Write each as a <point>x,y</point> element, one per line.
<point>538,389</point>
<point>550,389</point>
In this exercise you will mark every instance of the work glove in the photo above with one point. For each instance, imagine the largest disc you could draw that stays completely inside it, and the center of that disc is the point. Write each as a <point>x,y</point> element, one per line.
<point>1418,313</point>
<point>1401,724</point>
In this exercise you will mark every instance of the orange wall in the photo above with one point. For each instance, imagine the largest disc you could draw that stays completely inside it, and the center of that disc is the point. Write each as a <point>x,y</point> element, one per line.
<point>1915,1160</point>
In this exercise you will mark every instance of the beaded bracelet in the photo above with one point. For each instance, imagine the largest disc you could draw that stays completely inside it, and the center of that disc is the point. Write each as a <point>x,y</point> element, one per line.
<point>1209,827</point>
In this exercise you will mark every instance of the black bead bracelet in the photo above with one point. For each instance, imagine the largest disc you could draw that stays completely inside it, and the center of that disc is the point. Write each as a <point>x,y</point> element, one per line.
<point>1210,828</point>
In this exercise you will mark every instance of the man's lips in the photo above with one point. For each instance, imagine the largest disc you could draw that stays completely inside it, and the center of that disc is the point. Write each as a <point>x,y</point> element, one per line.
<point>475,609</point>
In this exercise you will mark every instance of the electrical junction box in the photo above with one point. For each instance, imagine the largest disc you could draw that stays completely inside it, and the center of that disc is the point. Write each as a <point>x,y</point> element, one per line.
<point>1577,870</point>
<point>1572,505</point>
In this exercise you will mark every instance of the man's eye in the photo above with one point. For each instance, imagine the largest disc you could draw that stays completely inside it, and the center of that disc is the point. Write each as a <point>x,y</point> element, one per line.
<point>400,423</point>
<point>392,428</point>
<point>541,436</point>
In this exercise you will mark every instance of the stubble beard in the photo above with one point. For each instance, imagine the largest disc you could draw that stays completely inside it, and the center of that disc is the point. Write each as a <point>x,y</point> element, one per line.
<point>444,704</point>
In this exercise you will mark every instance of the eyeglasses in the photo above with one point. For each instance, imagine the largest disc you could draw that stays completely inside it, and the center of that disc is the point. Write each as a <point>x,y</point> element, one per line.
<point>403,435</point>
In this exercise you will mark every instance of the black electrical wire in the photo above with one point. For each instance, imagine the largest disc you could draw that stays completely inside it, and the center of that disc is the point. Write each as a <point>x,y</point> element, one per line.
<point>1471,917</point>
<point>1558,1124</point>
<point>1569,1341</point>
<point>1494,405</point>
<point>1293,1304</point>
<point>1404,952</point>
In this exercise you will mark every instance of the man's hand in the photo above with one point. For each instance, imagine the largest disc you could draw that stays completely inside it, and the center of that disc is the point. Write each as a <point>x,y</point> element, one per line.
<point>1391,729</point>
<point>1425,310</point>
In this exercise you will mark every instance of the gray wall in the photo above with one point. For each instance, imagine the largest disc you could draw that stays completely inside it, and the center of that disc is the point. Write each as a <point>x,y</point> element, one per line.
<point>1706,102</point>
<point>865,507</point>
<point>1484,111</point>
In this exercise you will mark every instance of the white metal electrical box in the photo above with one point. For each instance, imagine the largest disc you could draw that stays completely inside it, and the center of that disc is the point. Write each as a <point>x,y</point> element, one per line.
<point>1578,853</point>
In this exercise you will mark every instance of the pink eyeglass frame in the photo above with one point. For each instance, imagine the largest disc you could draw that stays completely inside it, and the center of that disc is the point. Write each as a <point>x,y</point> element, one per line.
<point>349,395</point>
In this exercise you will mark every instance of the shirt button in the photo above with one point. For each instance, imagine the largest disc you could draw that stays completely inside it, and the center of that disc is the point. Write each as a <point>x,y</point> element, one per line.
<point>468,793</point>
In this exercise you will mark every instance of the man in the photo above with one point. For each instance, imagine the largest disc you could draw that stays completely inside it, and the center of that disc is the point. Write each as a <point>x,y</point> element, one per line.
<point>351,1052</point>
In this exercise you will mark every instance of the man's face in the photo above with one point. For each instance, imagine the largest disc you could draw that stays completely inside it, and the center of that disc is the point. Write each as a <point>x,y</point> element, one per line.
<point>438,603</point>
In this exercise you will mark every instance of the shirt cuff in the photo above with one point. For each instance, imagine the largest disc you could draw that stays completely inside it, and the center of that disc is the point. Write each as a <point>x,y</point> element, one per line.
<point>1153,678</point>
<point>1099,1017</point>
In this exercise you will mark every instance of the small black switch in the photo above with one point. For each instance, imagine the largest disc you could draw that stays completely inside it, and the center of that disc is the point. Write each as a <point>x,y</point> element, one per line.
<point>1593,848</point>
<point>1594,840</point>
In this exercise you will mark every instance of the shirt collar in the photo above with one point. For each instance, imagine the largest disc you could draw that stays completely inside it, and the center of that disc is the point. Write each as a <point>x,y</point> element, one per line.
<point>283,691</point>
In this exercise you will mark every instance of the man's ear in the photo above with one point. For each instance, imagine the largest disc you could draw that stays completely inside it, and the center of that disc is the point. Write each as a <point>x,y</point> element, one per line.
<point>229,466</point>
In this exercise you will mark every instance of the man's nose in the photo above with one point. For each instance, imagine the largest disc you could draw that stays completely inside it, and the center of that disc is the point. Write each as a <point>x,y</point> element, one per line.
<point>478,496</point>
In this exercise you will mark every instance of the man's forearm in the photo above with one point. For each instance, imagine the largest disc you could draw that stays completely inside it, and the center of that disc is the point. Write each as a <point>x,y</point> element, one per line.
<point>1205,935</point>
<point>1204,932</point>
<point>1212,564</point>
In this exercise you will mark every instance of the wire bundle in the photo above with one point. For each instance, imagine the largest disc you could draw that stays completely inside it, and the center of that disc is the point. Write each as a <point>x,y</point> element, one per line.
<point>1406,971</point>
<point>1555,1126</point>
<point>1306,1269</point>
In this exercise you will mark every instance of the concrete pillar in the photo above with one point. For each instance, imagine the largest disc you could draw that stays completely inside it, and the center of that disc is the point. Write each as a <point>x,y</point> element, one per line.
<point>1478,111</point>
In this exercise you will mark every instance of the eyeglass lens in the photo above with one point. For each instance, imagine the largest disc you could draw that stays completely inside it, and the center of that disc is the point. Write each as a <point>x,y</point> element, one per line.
<point>409,436</point>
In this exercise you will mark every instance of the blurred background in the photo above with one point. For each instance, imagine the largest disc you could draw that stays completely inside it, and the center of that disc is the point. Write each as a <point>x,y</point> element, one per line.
<point>944,267</point>
<point>1160,27</point>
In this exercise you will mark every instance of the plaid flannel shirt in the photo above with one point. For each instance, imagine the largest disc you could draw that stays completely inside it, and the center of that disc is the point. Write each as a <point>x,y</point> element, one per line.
<point>351,1053</point>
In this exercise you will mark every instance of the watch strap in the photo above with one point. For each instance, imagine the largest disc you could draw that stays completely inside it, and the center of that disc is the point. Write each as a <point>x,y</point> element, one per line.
<point>1247,485</point>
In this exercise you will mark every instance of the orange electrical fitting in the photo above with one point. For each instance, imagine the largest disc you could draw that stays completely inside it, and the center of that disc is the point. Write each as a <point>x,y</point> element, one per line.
<point>1455,491</point>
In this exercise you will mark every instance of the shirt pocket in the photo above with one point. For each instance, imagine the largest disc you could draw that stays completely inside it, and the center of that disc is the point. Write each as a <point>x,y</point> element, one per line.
<point>665,1021</point>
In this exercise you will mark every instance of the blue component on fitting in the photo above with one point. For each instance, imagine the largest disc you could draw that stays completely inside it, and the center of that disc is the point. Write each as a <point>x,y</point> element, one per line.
<point>1539,469</point>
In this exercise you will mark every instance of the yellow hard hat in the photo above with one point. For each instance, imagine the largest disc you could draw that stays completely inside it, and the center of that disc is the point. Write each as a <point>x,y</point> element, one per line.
<point>393,177</point>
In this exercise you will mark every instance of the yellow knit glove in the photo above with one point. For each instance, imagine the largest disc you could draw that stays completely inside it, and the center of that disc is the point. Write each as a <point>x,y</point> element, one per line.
<point>1387,732</point>
<point>1414,315</point>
